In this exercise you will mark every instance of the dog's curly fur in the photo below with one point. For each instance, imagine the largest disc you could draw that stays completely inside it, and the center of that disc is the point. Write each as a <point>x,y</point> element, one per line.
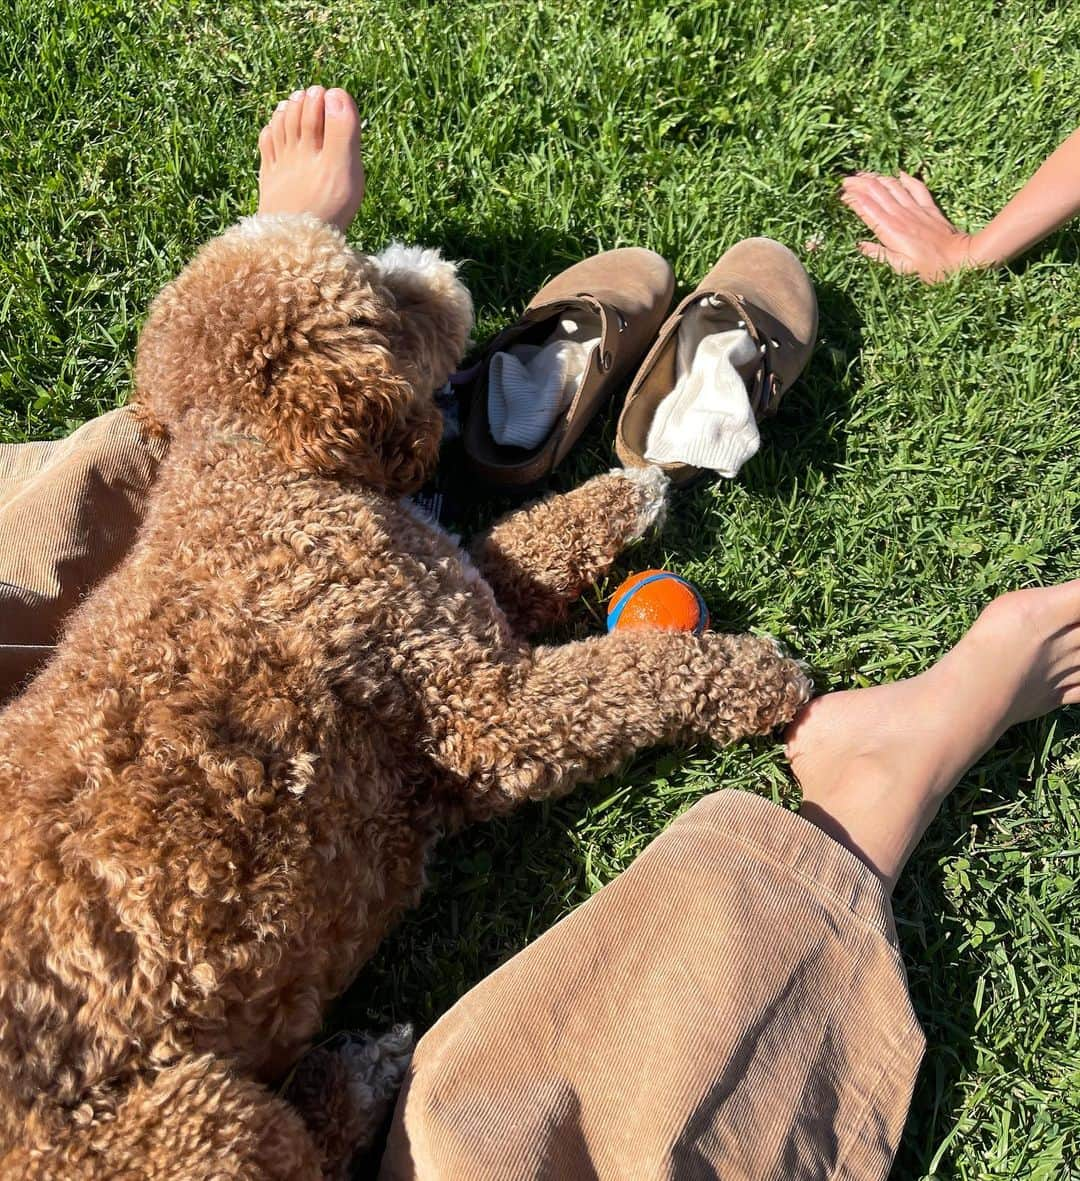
<point>220,793</point>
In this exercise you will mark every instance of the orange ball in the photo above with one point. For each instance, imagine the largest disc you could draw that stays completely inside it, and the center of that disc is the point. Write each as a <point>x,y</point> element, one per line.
<point>657,598</point>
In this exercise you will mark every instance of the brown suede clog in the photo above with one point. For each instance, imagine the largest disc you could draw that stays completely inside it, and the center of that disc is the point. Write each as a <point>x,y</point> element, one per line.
<point>630,290</point>
<point>757,284</point>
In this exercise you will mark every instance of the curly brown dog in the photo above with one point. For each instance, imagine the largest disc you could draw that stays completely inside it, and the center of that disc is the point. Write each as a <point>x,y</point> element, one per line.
<point>222,790</point>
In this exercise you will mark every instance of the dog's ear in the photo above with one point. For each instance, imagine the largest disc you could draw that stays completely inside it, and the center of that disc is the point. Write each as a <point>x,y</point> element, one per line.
<point>352,414</point>
<point>435,308</point>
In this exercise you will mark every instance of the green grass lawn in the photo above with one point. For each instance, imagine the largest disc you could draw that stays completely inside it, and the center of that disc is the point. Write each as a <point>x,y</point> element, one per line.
<point>924,464</point>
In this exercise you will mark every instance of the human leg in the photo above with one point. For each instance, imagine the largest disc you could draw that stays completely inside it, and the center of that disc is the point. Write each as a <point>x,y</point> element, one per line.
<point>69,510</point>
<point>733,1005</point>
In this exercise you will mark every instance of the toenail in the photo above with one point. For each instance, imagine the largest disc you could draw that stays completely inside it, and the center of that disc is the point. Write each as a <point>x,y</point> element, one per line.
<point>283,104</point>
<point>335,102</point>
<point>314,91</point>
<point>296,95</point>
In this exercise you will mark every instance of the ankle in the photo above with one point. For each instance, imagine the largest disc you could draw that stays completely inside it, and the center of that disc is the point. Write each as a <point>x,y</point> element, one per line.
<point>877,809</point>
<point>875,764</point>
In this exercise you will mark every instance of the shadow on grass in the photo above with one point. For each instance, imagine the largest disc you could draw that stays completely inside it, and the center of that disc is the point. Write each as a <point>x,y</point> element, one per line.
<point>809,434</point>
<point>493,889</point>
<point>505,265</point>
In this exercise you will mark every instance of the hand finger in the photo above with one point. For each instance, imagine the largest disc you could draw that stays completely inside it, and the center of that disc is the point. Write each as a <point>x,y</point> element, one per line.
<point>895,188</point>
<point>859,207</point>
<point>889,193</point>
<point>919,191</point>
<point>867,213</point>
<point>893,258</point>
<point>855,181</point>
<point>877,216</point>
<point>879,211</point>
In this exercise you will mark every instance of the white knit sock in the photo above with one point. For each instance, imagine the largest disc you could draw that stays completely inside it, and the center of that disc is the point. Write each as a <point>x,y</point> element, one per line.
<point>707,420</point>
<point>530,385</point>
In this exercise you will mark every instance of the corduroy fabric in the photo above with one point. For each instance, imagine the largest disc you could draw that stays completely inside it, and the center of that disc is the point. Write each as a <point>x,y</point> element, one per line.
<point>732,1006</point>
<point>69,510</point>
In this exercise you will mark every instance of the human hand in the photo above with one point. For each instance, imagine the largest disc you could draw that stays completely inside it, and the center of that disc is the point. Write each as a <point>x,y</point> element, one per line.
<point>914,236</point>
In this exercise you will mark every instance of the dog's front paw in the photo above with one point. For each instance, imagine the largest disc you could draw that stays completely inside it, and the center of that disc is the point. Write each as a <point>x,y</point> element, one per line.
<point>651,486</point>
<point>755,688</point>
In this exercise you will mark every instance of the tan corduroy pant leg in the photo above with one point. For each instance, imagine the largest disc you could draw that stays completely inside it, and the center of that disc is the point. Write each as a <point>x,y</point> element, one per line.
<point>68,512</point>
<point>733,1006</point>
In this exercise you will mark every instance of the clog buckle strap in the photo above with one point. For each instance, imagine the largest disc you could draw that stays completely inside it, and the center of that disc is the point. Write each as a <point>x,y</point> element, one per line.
<point>607,312</point>
<point>766,390</point>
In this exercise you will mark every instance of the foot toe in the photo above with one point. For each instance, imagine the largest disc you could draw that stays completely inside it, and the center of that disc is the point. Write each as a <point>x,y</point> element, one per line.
<point>277,124</point>
<point>342,127</point>
<point>294,113</point>
<point>311,121</point>
<point>266,144</point>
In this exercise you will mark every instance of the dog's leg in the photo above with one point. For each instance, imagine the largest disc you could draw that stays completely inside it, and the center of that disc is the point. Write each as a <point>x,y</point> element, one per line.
<point>540,558</point>
<point>345,1089</point>
<point>190,1121</point>
<point>576,712</point>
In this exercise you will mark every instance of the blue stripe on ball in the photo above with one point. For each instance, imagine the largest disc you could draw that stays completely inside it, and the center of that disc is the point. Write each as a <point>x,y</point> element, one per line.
<point>616,608</point>
<point>703,611</point>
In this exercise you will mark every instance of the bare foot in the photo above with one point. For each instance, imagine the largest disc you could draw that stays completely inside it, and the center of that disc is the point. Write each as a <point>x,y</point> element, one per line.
<point>874,764</point>
<point>311,161</point>
<point>914,236</point>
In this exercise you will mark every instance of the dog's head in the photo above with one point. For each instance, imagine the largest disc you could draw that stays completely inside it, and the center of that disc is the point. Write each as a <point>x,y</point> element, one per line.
<point>279,330</point>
